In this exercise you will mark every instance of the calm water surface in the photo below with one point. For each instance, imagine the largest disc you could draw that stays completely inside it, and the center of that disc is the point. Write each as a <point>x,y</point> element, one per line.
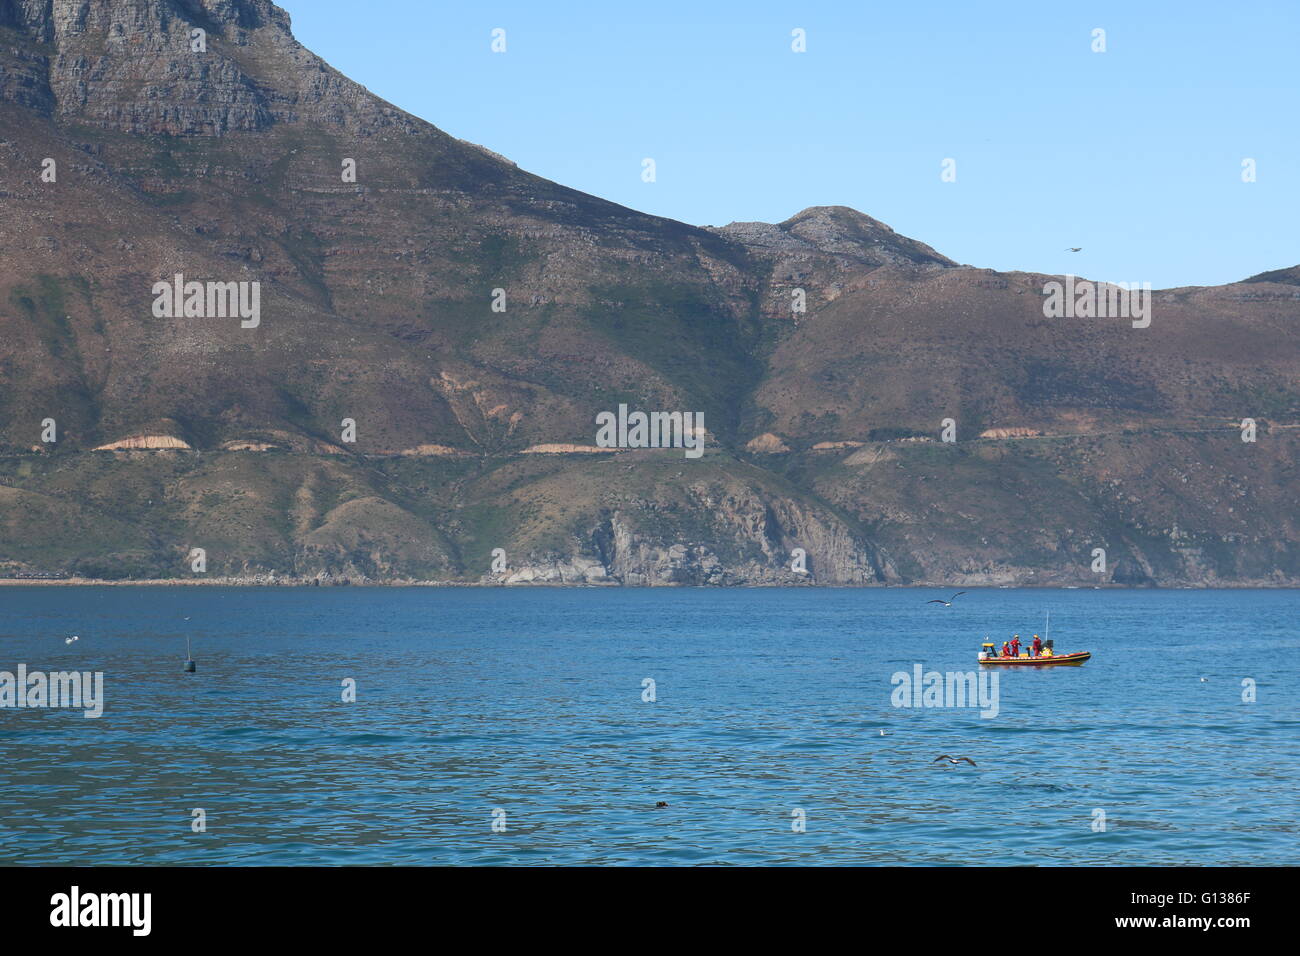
<point>530,702</point>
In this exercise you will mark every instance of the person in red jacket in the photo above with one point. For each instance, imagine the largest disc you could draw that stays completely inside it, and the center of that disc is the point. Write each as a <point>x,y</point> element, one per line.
<point>1006,649</point>
<point>1015,645</point>
<point>1038,645</point>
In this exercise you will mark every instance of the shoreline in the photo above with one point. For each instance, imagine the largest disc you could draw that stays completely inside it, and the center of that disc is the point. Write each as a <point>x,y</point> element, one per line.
<point>409,583</point>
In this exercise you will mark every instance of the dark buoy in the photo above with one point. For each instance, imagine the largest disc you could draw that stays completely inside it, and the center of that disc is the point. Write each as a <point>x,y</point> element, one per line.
<point>189,661</point>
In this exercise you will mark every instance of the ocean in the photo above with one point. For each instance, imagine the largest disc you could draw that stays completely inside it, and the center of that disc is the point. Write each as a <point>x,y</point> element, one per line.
<point>543,726</point>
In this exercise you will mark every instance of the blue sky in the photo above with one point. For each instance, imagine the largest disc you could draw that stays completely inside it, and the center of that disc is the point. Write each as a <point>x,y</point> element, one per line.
<point>1134,154</point>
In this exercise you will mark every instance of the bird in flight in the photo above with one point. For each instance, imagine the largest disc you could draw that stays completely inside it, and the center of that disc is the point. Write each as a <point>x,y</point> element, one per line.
<point>953,760</point>
<point>947,603</point>
<point>1075,249</point>
<point>69,640</point>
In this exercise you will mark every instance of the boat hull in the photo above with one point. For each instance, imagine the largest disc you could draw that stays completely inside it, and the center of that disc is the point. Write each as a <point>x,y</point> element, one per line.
<point>1057,660</point>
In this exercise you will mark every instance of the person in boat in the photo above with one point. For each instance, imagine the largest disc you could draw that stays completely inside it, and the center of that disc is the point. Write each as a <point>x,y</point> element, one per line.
<point>1015,645</point>
<point>1038,646</point>
<point>1006,649</point>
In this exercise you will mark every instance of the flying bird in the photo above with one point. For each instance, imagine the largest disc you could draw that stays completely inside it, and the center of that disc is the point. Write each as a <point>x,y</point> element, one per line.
<point>1075,249</point>
<point>69,640</point>
<point>947,603</point>
<point>953,760</point>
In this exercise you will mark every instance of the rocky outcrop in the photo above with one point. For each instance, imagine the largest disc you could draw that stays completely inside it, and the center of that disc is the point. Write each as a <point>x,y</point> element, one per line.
<point>575,570</point>
<point>562,448</point>
<point>836,445</point>
<point>139,442</point>
<point>1010,433</point>
<point>433,451</point>
<point>767,444</point>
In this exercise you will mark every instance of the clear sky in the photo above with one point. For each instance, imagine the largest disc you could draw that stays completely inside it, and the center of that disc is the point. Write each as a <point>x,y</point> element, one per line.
<point>1134,154</point>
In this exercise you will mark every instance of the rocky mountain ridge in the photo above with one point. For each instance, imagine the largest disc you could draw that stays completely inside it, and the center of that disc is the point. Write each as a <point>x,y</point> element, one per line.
<point>471,319</point>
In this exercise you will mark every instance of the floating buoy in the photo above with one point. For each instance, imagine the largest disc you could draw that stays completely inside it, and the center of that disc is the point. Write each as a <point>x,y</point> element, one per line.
<point>189,661</point>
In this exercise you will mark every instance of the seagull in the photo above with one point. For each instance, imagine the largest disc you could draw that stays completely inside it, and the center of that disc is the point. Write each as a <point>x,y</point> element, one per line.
<point>69,640</point>
<point>947,603</point>
<point>882,733</point>
<point>953,760</point>
<point>1205,680</point>
<point>1075,249</point>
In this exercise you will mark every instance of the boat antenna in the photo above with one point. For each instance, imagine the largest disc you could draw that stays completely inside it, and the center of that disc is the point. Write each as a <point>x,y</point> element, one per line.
<point>1047,630</point>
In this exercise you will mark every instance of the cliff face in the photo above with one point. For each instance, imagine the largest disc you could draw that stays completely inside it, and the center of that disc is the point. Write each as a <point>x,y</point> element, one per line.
<point>470,320</point>
<point>179,67</point>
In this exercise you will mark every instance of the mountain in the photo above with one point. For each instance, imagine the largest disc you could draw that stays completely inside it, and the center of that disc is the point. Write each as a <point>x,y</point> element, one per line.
<point>129,157</point>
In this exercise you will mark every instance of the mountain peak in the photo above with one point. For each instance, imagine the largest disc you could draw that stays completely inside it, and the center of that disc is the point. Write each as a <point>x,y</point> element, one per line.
<point>845,215</point>
<point>838,231</point>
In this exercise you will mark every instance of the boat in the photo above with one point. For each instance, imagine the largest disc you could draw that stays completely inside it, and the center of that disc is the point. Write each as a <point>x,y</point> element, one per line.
<point>989,654</point>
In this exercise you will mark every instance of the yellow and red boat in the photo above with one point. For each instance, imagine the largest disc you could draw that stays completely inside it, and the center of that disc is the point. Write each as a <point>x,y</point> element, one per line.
<point>1048,658</point>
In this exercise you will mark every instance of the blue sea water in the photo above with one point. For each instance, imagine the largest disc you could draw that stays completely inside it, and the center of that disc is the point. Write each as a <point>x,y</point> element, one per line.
<point>473,703</point>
